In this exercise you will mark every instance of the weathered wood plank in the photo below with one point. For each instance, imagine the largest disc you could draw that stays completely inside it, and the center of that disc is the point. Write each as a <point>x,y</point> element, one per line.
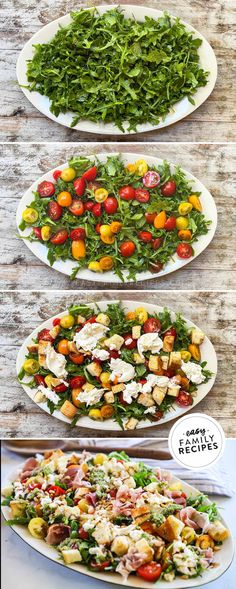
<point>215,312</point>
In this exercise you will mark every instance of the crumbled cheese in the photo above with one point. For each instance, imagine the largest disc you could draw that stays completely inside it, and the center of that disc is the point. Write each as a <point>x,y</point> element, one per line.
<point>97,551</point>
<point>51,396</point>
<point>131,391</point>
<point>149,341</point>
<point>101,354</point>
<point>193,372</point>
<point>185,559</point>
<point>123,370</point>
<point>90,397</point>
<point>55,362</point>
<point>151,410</point>
<point>153,380</point>
<point>88,337</point>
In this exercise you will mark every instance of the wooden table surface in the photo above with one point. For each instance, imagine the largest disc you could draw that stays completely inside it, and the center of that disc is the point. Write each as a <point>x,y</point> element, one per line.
<point>215,120</point>
<point>213,164</point>
<point>20,314</point>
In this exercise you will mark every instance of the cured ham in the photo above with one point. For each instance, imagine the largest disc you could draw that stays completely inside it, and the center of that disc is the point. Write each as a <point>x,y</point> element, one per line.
<point>57,533</point>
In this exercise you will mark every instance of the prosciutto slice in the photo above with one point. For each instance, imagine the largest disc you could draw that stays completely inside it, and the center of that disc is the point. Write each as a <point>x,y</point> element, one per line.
<point>194,519</point>
<point>74,476</point>
<point>125,500</point>
<point>28,468</point>
<point>177,497</point>
<point>130,562</point>
<point>57,533</point>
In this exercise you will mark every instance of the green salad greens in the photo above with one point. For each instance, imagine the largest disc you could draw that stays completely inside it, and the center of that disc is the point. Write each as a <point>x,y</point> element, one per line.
<point>111,69</point>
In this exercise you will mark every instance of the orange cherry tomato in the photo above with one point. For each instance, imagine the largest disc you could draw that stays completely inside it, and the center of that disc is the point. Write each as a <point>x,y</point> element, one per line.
<point>76,358</point>
<point>160,219</point>
<point>78,249</point>
<point>64,199</point>
<point>63,347</point>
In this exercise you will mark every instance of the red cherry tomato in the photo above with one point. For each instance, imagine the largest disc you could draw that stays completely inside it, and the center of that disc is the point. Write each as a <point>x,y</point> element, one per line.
<point>77,208</point>
<point>60,388</point>
<point>77,381</point>
<point>142,195</point>
<point>76,358</point>
<point>54,210</point>
<point>150,571</point>
<point>92,319</point>
<point>90,174</point>
<point>157,416</point>
<point>59,237</point>
<point>33,486</point>
<point>39,379</point>
<point>78,233</point>
<point>100,566</point>
<point>82,534</point>
<point>129,342</point>
<point>142,380</point>
<point>151,179</point>
<point>114,354</point>
<point>46,189</point>
<point>157,242</point>
<point>121,399</point>
<point>169,188</point>
<point>152,325</point>
<point>56,491</point>
<point>97,228</point>
<point>88,206</point>
<point>184,250</point>
<point>56,321</point>
<point>127,248</point>
<point>45,335</point>
<point>171,331</point>
<point>79,186</point>
<point>97,209</point>
<point>127,193</point>
<point>110,205</point>
<point>93,186</point>
<point>170,224</point>
<point>184,399</point>
<point>150,217</point>
<point>155,267</point>
<point>145,236</point>
<point>56,174</point>
<point>37,232</point>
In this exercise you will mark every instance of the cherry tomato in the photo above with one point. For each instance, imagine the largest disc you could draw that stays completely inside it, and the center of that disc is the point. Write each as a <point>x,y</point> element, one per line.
<point>100,566</point>
<point>56,491</point>
<point>77,381</point>
<point>88,206</point>
<point>33,486</point>
<point>46,189</point>
<point>155,267</point>
<point>113,493</point>
<point>127,193</point>
<point>145,236</point>
<point>56,174</point>
<point>39,379</point>
<point>76,358</point>
<point>97,209</point>
<point>150,217</point>
<point>169,188</point>
<point>142,380</point>
<point>60,388</point>
<point>151,325</point>
<point>184,399</point>
<point>37,232</point>
<point>127,248</point>
<point>59,237</point>
<point>171,331</point>
<point>170,224</point>
<point>92,319</point>
<point>78,233</point>
<point>121,399</point>
<point>97,228</point>
<point>90,174</point>
<point>54,210</point>
<point>150,571</point>
<point>77,208</point>
<point>56,321</point>
<point>82,534</point>
<point>79,186</point>
<point>64,199</point>
<point>157,416</point>
<point>129,342</point>
<point>157,242</point>
<point>142,195</point>
<point>93,186</point>
<point>184,250</point>
<point>45,335</point>
<point>114,354</point>
<point>110,205</point>
<point>151,179</point>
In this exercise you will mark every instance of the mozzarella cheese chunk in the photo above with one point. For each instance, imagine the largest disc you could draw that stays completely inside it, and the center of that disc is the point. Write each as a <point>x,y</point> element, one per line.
<point>90,397</point>
<point>155,380</point>
<point>50,395</point>
<point>193,372</point>
<point>88,337</point>
<point>55,362</point>
<point>131,391</point>
<point>149,342</point>
<point>122,370</point>
<point>100,354</point>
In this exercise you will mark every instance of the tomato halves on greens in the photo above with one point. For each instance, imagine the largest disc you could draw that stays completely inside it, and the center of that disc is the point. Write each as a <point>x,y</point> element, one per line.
<point>79,186</point>
<point>37,232</point>
<point>142,195</point>
<point>127,248</point>
<point>151,179</point>
<point>184,250</point>
<point>169,188</point>
<point>97,209</point>
<point>90,174</point>
<point>59,237</point>
<point>77,381</point>
<point>55,490</point>
<point>155,266</point>
<point>39,379</point>
<point>145,236</point>
<point>170,224</point>
<point>46,189</point>
<point>56,174</point>
<point>129,342</point>
<point>152,324</point>
<point>157,242</point>
<point>45,335</point>
<point>184,399</point>
<point>110,205</point>
<point>54,210</point>
<point>127,193</point>
<point>78,233</point>
<point>150,217</point>
<point>77,208</point>
<point>150,571</point>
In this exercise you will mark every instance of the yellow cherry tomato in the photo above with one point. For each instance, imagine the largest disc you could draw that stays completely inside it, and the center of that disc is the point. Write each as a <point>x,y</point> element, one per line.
<point>106,263</point>
<point>205,541</point>
<point>95,414</point>
<point>101,194</point>
<point>99,459</point>
<point>94,266</point>
<point>64,199</point>
<point>31,366</point>
<point>107,411</point>
<point>141,315</point>
<point>141,167</point>
<point>195,201</point>
<point>46,232</point>
<point>115,226</point>
<point>185,355</point>
<point>160,219</point>
<point>185,235</point>
<point>78,249</point>
<point>185,208</point>
<point>106,235</point>
<point>105,378</point>
<point>130,316</point>
<point>195,352</point>
<point>67,321</point>
<point>38,527</point>
<point>131,168</point>
<point>188,535</point>
<point>63,347</point>
<point>30,216</point>
<point>181,223</point>
<point>68,174</point>
<point>82,504</point>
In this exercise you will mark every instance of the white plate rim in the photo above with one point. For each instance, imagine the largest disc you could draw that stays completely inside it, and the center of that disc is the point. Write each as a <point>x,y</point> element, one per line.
<point>109,424</point>
<point>40,250</point>
<point>183,108</point>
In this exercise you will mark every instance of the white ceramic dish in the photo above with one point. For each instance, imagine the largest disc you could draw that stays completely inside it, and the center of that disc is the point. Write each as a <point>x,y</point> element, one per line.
<point>207,352</point>
<point>223,557</point>
<point>40,250</point>
<point>182,108</point>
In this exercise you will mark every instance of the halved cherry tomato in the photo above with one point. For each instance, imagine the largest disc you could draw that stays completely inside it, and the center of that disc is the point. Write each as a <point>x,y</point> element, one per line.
<point>157,242</point>
<point>46,189</point>
<point>54,210</point>
<point>155,266</point>
<point>127,248</point>
<point>92,319</point>
<point>184,399</point>
<point>79,186</point>
<point>151,179</point>
<point>77,382</point>
<point>88,206</point>
<point>93,186</point>
<point>129,342</point>
<point>169,188</point>
<point>121,399</point>
<point>145,236</point>
<point>170,331</point>
<point>90,174</point>
<point>110,205</point>
<point>60,388</point>
<point>82,534</point>
<point>150,217</point>
<point>170,224</point>
<point>97,228</point>
<point>59,237</point>
<point>127,193</point>
<point>56,174</point>
<point>184,250</point>
<point>152,325</point>
<point>56,321</point>
<point>76,358</point>
<point>39,379</point>
<point>97,209</point>
<point>157,416</point>
<point>150,571</point>
<point>56,491</point>
<point>78,233</point>
<point>114,354</point>
<point>45,335</point>
<point>142,195</point>
<point>142,380</point>
<point>100,566</point>
<point>37,232</point>
<point>77,208</point>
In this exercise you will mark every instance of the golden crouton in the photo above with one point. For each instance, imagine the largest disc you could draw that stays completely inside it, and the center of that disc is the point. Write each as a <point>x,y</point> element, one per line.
<point>175,360</point>
<point>88,387</point>
<point>33,348</point>
<point>136,331</point>
<point>55,331</point>
<point>217,531</point>
<point>115,342</point>
<point>109,397</point>
<point>173,391</point>
<point>159,394</point>
<point>143,546</point>
<point>118,388</point>
<point>197,336</point>
<point>165,362</point>
<point>138,359</point>
<point>171,529</point>
<point>146,400</point>
<point>168,343</point>
<point>103,319</point>
<point>154,363</point>
<point>94,369</point>
<point>68,409</point>
<point>131,423</point>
